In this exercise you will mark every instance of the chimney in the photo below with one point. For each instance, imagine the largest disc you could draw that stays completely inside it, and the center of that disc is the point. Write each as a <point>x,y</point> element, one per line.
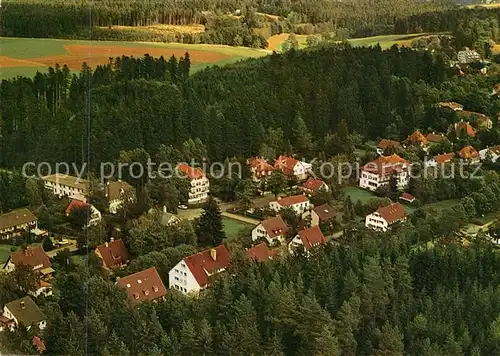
<point>23,306</point>
<point>164,208</point>
<point>106,244</point>
<point>213,254</point>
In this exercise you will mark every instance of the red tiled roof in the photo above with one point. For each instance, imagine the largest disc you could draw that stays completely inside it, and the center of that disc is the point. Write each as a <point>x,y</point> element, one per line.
<point>392,213</point>
<point>261,253</point>
<point>468,152</point>
<point>325,212</point>
<point>464,126</point>
<point>143,286</point>
<point>313,184</point>
<point>39,344</point>
<point>286,164</point>
<point>407,197</point>
<point>312,237</point>
<point>113,254</point>
<point>192,173</point>
<point>444,158</point>
<point>260,166</point>
<point>275,226</point>
<point>202,264</point>
<point>34,256</point>
<point>469,114</point>
<point>385,143</point>
<point>417,138</point>
<point>75,204</point>
<point>386,165</point>
<point>295,199</point>
<point>434,137</point>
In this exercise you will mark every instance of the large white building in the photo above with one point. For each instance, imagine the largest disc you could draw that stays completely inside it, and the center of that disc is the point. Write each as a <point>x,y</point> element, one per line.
<point>194,273</point>
<point>200,186</point>
<point>15,222</point>
<point>386,216</point>
<point>273,230</point>
<point>379,172</point>
<point>63,185</point>
<point>299,203</point>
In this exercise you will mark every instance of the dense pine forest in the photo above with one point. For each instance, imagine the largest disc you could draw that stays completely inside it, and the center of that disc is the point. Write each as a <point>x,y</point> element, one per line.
<point>231,109</point>
<point>59,18</point>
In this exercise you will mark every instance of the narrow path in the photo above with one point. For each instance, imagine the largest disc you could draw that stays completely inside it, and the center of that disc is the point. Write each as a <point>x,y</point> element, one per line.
<point>240,218</point>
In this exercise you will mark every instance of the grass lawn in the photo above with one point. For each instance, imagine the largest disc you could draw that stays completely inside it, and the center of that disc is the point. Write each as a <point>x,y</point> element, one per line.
<point>443,204</point>
<point>232,226</point>
<point>5,253</point>
<point>386,41</point>
<point>358,194</point>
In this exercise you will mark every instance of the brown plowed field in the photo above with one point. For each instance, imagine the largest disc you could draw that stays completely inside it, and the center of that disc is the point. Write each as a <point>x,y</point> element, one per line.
<point>95,55</point>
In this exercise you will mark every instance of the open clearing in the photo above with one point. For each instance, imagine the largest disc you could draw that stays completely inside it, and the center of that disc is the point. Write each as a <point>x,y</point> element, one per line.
<point>26,56</point>
<point>385,41</point>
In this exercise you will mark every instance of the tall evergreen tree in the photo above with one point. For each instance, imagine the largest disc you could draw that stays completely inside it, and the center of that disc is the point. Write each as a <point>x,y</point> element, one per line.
<point>209,227</point>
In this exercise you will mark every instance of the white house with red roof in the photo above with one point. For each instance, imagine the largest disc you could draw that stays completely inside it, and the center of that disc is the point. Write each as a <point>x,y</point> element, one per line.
<point>312,185</point>
<point>195,273</point>
<point>379,172</point>
<point>293,167</point>
<point>200,186</point>
<point>273,230</point>
<point>260,168</point>
<point>95,216</point>
<point>299,203</point>
<point>386,216</point>
<point>307,239</point>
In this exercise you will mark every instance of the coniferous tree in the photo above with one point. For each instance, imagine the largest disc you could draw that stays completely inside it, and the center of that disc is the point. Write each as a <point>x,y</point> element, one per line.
<point>209,226</point>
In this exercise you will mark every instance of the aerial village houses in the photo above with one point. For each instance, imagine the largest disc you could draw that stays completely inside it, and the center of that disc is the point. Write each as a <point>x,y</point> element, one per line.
<point>200,186</point>
<point>468,56</point>
<point>440,160</point>
<point>299,203</point>
<point>113,254</point>
<point>321,214</point>
<point>261,253</point>
<point>463,128</point>
<point>34,256</point>
<point>386,144</point>
<point>95,216</point>
<point>116,193</point>
<point>434,137</point>
<point>16,222</point>
<point>481,121</point>
<point>417,139</point>
<point>194,273</point>
<point>63,185</point>
<point>407,197</point>
<point>22,311</point>
<point>386,216</point>
<point>312,185</point>
<point>259,168</point>
<point>492,153</point>
<point>379,172</point>
<point>143,286</point>
<point>307,239</point>
<point>469,153</point>
<point>273,230</point>
<point>292,167</point>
